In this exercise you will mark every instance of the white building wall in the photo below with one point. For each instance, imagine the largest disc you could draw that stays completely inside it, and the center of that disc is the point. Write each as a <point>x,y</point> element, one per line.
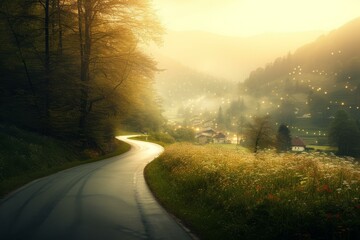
<point>298,149</point>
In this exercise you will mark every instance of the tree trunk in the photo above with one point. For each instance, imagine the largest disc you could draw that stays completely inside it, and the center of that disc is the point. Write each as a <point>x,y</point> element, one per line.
<point>52,19</point>
<point>84,12</point>
<point>47,35</point>
<point>47,67</point>
<point>23,61</point>
<point>60,34</point>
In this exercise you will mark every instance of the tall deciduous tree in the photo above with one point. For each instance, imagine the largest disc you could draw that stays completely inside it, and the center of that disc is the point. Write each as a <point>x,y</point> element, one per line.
<point>81,63</point>
<point>112,31</point>
<point>259,133</point>
<point>31,24</point>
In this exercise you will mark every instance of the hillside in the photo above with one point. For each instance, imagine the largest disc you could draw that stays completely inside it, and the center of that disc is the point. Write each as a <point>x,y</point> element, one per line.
<point>27,155</point>
<point>181,87</point>
<point>199,69</point>
<point>229,57</point>
<point>318,79</point>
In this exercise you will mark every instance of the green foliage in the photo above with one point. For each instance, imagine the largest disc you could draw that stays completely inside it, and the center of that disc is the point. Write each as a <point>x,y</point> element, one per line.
<point>259,134</point>
<point>319,78</point>
<point>25,156</point>
<point>162,137</point>
<point>344,133</point>
<point>72,85</point>
<point>258,196</point>
<point>170,136</point>
<point>183,135</point>
<point>24,152</point>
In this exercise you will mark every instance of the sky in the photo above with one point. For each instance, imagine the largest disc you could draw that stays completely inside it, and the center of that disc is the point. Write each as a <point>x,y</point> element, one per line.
<point>253,17</point>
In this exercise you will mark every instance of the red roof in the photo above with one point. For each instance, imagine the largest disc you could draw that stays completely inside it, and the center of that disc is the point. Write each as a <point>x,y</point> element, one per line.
<point>298,142</point>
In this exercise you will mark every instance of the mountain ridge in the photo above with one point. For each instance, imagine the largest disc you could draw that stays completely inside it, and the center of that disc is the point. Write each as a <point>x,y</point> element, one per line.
<point>320,78</point>
<point>228,57</point>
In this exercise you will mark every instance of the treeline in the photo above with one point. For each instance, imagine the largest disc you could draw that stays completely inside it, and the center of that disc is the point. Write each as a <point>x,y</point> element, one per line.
<point>75,69</point>
<point>343,133</point>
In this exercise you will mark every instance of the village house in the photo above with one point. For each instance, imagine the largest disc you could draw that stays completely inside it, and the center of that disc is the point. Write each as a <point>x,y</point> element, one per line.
<point>209,130</point>
<point>209,135</point>
<point>297,144</point>
<point>219,138</point>
<point>204,138</point>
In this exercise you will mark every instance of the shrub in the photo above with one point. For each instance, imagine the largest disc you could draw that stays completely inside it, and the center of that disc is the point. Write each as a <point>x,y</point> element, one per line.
<point>162,137</point>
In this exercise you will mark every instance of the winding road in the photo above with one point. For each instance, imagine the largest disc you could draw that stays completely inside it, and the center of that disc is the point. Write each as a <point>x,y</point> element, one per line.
<point>102,200</point>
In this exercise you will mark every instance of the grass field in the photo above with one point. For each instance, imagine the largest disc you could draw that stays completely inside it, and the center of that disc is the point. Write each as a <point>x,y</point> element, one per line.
<point>225,194</point>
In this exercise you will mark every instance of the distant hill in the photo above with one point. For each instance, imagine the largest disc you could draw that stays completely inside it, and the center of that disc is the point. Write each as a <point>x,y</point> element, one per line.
<point>200,69</point>
<point>228,57</point>
<point>320,77</point>
<point>182,87</point>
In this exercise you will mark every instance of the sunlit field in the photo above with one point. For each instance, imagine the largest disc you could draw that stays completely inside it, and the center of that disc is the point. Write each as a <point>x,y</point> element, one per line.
<point>227,194</point>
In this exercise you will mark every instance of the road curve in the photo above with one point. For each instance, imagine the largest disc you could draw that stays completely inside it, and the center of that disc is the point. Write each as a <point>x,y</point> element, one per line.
<point>102,200</point>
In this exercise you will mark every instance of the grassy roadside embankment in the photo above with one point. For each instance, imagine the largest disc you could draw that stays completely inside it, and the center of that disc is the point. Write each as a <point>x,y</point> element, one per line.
<point>160,139</point>
<point>26,156</point>
<point>221,194</point>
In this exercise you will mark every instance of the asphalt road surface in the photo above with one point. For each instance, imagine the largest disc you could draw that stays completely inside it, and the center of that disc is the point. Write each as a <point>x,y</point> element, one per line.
<point>102,200</point>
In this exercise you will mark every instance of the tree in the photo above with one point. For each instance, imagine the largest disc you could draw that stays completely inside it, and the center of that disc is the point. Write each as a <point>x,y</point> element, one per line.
<point>220,118</point>
<point>344,133</point>
<point>111,30</point>
<point>283,139</point>
<point>29,30</point>
<point>184,135</point>
<point>19,30</point>
<point>259,133</point>
<point>76,67</point>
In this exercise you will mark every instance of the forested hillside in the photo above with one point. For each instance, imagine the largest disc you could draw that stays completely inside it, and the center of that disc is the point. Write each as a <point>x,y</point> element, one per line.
<point>75,69</point>
<point>318,79</point>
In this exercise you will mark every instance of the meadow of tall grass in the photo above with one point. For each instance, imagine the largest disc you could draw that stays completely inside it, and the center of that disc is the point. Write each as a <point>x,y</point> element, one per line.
<point>225,194</point>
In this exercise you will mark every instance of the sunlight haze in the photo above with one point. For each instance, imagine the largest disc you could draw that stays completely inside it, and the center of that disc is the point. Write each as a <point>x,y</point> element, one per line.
<point>243,116</point>
<point>249,17</point>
